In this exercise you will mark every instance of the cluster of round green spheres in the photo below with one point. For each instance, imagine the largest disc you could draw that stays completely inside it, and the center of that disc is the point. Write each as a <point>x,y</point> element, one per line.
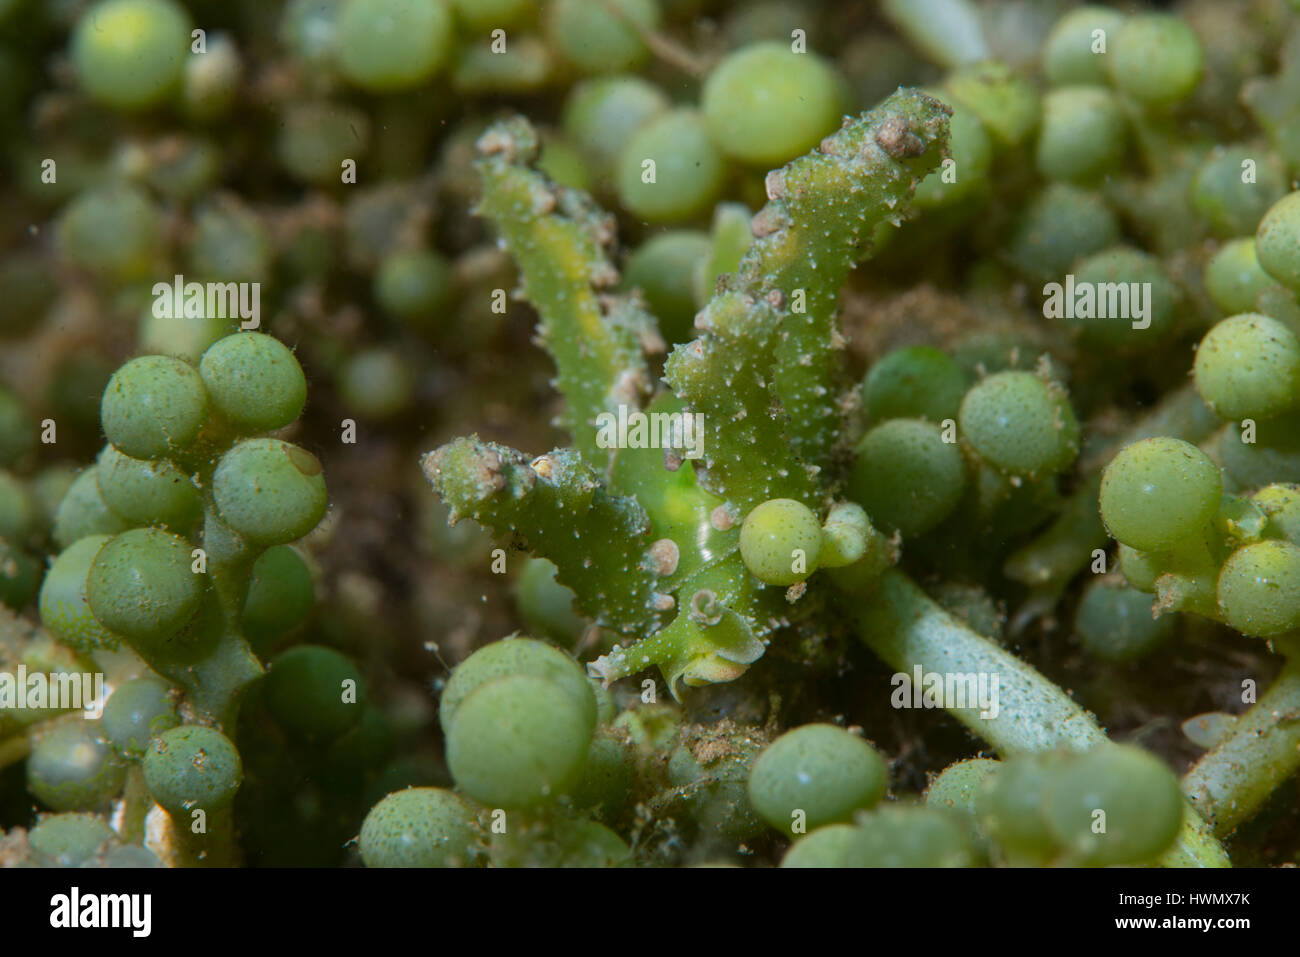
<point>130,566</point>
<point>892,835</point>
<point>518,716</point>
<point>762,105</point>
<point>1113,805</point>
<point>187,432</point>
<point>1159,496</point>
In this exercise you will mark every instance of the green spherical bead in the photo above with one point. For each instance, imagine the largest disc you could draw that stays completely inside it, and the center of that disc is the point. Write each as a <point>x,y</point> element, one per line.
<point>145,492</point>
<point>418,827</point>
<point>387,45</point>
<point>485,15</point>
<point>545,605</point>
<point>749,23</point>
<point>129,53</point>
<point>1138,795</point>
<point>269,491</point>
<point>1223,195</point>
<point>309,30</point>
<point>915,382</point>
<point>595,39</point>
<point>281,593</point>
<point>713,783</point>
<point>1020,423</point>
<point>1083,134</point>
<point>765,104</point>
<point>906,476</point>
<point>730,236</point>
<point>211,82</point>
<point>1060,225</point>
<point>178,336</point>
<point>230,241</point>
<point>366,746</point>
<point>688,169</point>
<point>825,847</point>
<point>589,844</point>
<point>1277,241</point>
<point>192,768</point>
<point>315,692</point>
<point>848,537</point>
<point>1156,59</point>
<point>903,836</point>
<point>1259,588</point>
<point>517,741</point>
<point>1115,623</point>
<point>1159,492</point>
<point>113,231</point>
<point>1248,366</point>
<point>254,381</point>
<point>414,285</point>
<point>64,608</point>
<point>48,488</point>
<point>1281,506</point>
<point>194,167</point>
<point>69,840</point>
<point>1010,809</point>
<point>316,138</point>
<point>153,406</point>
<point>142,585</point>
<point>1003,99</point>
<point>1234,278</point>
<point>516,656</point>
<point>377,383</point>
<point>83,512</point>
<point>1124,326</point>
<point>959,785</point>
<point>1139,568</point>
<point>662,268</point>
<point>130,855</point>
<point>780,541</point>
<point>608,775</point>
<point>815,775</point>
<point>1270,452</point>
<point>72,768</point>
<point>600,115</point>
<point>562,163</point>
<point>136,713</point>
<point>1072,52</point>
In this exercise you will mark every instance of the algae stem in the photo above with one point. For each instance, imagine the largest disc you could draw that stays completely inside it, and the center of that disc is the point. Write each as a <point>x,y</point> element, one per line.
<point>1233,780</point>
<point>901,624</point>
